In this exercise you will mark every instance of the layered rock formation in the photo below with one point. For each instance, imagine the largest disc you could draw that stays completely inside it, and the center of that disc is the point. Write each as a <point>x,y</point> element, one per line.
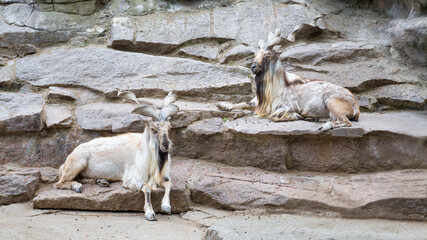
<point>62,63</point>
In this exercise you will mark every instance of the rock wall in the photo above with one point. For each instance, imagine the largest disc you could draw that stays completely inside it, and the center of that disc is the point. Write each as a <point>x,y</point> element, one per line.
<point>61,62</point>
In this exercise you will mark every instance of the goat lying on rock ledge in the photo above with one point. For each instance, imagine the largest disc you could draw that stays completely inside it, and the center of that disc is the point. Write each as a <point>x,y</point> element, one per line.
<point>283,96</point>
<point>140,160</point>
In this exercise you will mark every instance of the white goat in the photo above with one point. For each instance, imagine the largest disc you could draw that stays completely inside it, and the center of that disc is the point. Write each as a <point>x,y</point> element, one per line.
<point>140,161</point>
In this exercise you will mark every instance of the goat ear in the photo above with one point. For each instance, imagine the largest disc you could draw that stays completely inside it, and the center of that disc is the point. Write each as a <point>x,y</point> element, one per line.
<point>170,98</point>
<point>168,111</point>
<point>148,111</point>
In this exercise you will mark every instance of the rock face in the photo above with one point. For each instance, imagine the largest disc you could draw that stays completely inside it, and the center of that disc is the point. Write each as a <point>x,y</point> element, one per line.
<point>219,23</point>
<point>14,118</point>
<point>62,63</point>
<point>17,188</point>
<point>369,145</point>
<point>146,75</point>
<point>410,38</point>
<point>361,195</point>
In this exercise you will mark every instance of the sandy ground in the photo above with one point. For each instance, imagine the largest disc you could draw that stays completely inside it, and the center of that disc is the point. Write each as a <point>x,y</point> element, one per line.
<point>21,221</point>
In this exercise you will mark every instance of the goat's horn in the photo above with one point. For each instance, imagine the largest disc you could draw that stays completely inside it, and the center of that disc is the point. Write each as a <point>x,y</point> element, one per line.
<point>303,30</point>
<point>261,44</point>
<point>271,35</point>
<point>148,111</point>
<point>128,95</point>
<point>275,39</point>
<point>170,98</point>
<point>168,111</point>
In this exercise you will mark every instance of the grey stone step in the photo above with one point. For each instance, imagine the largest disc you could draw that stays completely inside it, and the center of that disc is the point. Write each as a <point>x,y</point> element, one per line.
<point>282,226</point>
<point>393,140</point>
<point>145,75</point>
<point>392,195</point>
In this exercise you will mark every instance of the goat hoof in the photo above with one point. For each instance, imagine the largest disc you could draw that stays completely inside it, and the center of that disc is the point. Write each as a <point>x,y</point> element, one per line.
<point>102,182</point>
<point>224,106</point>
<point>77,188</point>
<point>151,217</point>
<point>166,209</point>
<point>325,127</point>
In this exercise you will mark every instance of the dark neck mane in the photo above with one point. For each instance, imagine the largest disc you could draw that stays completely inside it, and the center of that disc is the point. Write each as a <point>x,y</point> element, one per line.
<point>162,158</point>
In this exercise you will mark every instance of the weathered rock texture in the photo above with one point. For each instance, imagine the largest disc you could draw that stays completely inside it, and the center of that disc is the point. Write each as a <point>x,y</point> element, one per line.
<point>62,63</point>
<point>17,188</point>
<point>361,195</point>
<point>278,226</point>
<point>146,75</point>
<point>376,142</point>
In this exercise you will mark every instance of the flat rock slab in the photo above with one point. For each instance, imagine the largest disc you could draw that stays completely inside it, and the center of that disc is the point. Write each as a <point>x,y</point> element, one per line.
<point>393,140</point>
<point>283,226</point>
<point>145,75</point>
<point>394,195</point>
<point>407,123</point>
<point>241,22</point>
<point>359,195</point>
<point>113,198</point>
<point>116,197</point>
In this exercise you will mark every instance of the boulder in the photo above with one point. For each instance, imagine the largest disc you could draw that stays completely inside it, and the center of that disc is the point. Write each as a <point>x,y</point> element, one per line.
<point>20,112</point>
<point>16,188</point>
<point>145,75</point>
<point>58,116</point>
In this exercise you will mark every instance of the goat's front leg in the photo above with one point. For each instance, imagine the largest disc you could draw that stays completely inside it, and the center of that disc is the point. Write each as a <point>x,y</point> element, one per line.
<point>166,206</point>
<point>148,208</point>
<point>226,106</point>
<point>284,115</point>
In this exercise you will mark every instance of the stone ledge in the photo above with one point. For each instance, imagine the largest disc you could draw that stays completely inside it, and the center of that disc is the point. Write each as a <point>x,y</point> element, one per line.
<point>377,142</point>
<point>393,195</point>
<point>145,75</point>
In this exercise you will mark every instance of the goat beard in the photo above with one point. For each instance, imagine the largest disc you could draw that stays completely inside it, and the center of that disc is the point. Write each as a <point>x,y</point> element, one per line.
<point>263,92</point>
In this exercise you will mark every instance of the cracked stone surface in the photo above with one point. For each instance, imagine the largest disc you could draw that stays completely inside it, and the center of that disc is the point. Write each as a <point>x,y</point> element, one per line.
<point>144,74</point>
<point>220,186</point>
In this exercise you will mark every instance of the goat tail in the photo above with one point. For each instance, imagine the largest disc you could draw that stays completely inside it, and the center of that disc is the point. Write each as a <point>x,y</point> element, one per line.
<point>356,115</point>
